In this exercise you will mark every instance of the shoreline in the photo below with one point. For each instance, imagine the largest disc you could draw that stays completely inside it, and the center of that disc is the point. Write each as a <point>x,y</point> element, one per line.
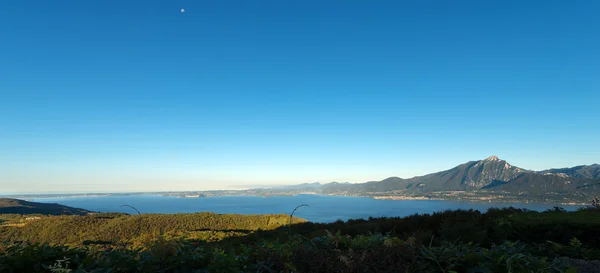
<point>470,199</point>
<point>403,198</point>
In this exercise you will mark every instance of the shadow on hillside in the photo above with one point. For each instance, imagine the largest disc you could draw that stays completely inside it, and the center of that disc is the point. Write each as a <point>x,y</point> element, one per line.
<point>310,230</point>
<point>98,242</point>
<point>481,228</point>
<point>225,230</point>
<point>251,237</point>
<point>468,226</point>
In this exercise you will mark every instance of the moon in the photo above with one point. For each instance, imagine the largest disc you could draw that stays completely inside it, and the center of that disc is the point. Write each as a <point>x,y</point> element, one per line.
<point>182,10</point>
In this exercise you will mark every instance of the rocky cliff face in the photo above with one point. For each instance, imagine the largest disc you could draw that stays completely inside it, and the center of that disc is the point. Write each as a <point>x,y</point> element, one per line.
<point>472,175</point>
<point>491,169</point>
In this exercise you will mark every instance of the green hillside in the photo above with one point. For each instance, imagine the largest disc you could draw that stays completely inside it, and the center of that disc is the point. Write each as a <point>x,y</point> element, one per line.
<point>17,206</point>
<point>499,240</point>
<point>122,228</point>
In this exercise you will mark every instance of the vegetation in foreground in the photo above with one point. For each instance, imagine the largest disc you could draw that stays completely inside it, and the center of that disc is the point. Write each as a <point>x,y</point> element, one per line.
<point>500,240</point>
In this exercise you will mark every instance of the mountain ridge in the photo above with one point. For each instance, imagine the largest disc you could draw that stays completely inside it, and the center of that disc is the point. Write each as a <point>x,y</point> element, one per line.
<point>491,174</point>
<point>585,171</point>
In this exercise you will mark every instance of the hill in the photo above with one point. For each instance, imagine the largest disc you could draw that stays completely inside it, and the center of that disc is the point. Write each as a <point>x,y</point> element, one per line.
<point>499,240</point>
<point>17,206</point>
<point>118,227</point>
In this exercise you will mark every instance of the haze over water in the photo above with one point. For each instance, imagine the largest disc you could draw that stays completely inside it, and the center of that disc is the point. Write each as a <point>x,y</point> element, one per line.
<point>322,208</point>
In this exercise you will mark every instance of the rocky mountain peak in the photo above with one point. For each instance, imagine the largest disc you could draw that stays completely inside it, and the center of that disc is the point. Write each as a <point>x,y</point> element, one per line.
<point>492,158</point>
<point>493,161</point>
<point>489,170</point>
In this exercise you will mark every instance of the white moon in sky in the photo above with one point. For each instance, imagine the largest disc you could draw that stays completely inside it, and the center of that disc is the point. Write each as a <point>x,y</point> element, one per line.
<point>182,10</point>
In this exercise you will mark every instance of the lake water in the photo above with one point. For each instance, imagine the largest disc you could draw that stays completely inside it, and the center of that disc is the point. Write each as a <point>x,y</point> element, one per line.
<point>322,208</point>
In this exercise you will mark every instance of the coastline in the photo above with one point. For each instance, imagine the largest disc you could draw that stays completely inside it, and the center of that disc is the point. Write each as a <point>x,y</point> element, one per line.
<point>488,200</point>
<point>472,197</point>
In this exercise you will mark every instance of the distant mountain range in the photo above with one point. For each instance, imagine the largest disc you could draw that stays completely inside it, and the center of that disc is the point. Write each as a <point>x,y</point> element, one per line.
<point>489,175</point>
<point>490,179</point>
<point>17,206</point>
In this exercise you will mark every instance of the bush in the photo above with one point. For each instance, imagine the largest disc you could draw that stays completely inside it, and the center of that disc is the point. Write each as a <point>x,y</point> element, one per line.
<point>499,240</point>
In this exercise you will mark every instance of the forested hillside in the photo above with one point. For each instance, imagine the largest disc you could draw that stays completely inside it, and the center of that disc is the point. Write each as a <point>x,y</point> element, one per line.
<point>121,228</point>
<point>499,240</point>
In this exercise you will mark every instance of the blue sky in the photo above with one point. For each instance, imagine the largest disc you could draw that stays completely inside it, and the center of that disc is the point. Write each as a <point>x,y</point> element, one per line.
<point>135,95</point>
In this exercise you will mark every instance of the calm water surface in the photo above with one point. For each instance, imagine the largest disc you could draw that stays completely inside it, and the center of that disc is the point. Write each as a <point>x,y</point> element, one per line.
<point>322,208</point>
